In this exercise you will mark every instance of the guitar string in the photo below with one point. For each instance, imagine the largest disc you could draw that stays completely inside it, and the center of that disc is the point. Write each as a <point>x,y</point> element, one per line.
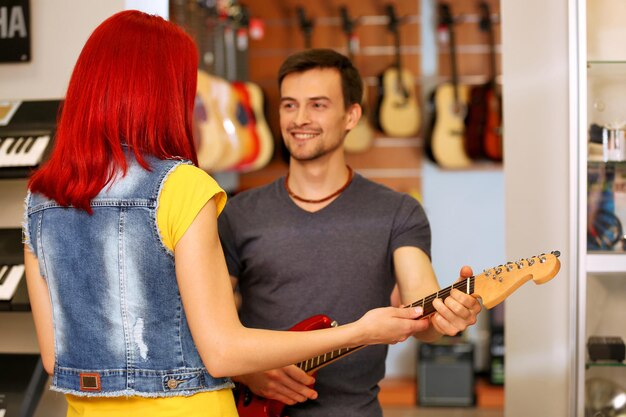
<point>426,303</point>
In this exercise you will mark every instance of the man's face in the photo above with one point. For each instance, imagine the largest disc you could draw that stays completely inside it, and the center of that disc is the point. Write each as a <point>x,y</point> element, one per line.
<point>313,118</point>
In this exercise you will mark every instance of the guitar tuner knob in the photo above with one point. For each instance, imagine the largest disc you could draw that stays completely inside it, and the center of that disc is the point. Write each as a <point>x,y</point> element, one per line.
<point>542,259</point>
<point>498,270</point>
<point>509,267</point>
<point>530,261</point>
<point>519,264</point>
<point>500,279</point>
<point>556,253</point>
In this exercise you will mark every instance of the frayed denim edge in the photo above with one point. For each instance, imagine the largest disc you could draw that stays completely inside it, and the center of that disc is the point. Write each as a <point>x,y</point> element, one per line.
<point>132,393</point>
<point>25,232</point>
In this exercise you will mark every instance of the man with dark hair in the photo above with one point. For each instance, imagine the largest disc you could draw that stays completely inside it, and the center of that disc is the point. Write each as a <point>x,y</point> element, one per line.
<point>325,240</point>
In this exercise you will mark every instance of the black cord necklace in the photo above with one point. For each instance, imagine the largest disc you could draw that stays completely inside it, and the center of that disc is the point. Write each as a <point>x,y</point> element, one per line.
<point>321,200</point>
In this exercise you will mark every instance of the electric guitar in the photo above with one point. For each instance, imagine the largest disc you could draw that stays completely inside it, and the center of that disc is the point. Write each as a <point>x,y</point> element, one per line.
<point>493,286</point>
<point>361,137</point>
<point>398,111</point>
<point>446,140</point>
<point>483,125</point>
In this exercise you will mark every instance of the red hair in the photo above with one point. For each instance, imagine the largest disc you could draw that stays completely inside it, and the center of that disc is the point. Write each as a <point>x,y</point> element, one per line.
<point>134,84</point>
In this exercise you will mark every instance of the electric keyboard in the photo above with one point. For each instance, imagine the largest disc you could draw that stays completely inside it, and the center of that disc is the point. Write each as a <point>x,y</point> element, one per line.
<point>22,383</point>
<point>13,291</point>
<point>26,133</point>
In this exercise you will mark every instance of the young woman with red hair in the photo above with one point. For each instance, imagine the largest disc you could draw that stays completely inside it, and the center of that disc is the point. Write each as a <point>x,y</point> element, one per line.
<point>129,289</point>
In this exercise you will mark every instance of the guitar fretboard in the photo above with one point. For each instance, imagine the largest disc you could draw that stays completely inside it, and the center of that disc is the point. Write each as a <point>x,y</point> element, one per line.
<point>467,286</point>
<point>323,360</point>
<point>317,362</point>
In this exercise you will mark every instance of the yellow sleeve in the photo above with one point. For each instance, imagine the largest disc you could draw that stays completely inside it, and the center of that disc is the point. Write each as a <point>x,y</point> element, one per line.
<point>185,191</point>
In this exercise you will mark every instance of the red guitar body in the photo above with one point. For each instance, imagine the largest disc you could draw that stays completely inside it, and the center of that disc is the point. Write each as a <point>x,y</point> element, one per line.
<point>251,405</point>
<point>493,126</point>
<point>483,124</point>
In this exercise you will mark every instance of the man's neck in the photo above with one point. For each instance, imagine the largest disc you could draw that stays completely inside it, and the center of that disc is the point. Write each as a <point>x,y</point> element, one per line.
<point>315,180</point>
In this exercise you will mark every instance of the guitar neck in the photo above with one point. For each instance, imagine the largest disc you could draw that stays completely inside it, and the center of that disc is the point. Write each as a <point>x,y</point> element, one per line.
<point>313,364</point>
<point>306,26</point>
<point>492,286</point>
<point>487,27</point>
<point>467,286</point>
<point>454,77</point>
<point>396,35</point>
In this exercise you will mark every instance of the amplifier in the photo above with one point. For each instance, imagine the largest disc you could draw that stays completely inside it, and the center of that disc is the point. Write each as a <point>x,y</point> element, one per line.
<point>606,348</point>
<point>446,374</point>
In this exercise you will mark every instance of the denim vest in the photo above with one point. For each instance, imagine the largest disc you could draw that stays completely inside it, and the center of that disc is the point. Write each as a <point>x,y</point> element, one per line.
<point>119,324</point>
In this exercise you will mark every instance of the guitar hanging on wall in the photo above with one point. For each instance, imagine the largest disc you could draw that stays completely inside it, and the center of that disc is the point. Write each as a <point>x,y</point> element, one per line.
<point>251,104</point>
<point>493,286</point>
<point>483,125</point>
<point>361,137</point>
<point>397,109</point>
<point>445,141</point>
<point>306,26</point>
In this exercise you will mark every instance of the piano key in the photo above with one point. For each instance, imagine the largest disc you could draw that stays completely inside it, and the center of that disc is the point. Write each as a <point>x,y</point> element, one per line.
<point>27,156</point>
<point>35,154</point>
<point>4,148</point>
<point>20,300</point>
<point>8,287</point>
<point>4,272</point>
<point>20,145</point>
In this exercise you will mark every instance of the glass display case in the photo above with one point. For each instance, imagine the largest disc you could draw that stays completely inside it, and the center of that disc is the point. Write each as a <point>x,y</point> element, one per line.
<point>601,280</point>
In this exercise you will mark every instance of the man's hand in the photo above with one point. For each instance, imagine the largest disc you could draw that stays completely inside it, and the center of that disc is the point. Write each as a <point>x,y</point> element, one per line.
<point>289,385</point>
<point>456,312</point>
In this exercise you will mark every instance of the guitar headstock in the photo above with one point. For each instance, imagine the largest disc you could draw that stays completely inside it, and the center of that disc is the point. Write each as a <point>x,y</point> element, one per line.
<point>496,284</point>
<point>445,15</point>
<point>306,25</point>
<point>347,24</point>
<point>485,17</point>
<point>394,22</point>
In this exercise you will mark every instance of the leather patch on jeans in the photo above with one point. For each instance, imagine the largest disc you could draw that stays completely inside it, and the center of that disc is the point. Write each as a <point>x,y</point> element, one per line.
<point>90,382</point>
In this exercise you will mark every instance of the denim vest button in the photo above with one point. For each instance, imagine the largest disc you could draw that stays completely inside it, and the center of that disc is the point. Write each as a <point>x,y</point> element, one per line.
<point>172,384</point>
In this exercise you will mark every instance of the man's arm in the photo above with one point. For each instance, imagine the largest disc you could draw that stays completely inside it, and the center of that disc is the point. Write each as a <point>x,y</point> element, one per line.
<point>416,279</point>
<point>289,385</point>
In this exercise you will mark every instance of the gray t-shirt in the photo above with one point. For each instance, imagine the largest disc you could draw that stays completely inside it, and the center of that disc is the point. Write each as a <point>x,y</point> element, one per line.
<point>293,264</point>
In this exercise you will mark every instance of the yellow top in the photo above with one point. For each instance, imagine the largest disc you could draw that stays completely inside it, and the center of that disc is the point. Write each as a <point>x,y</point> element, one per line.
<point>186,190</point>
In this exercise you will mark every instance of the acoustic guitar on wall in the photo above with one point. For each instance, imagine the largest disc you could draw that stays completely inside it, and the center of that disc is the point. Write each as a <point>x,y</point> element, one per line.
<point>446,139</point>
<point>361,137</point>
<point>493,286</point>
<point>209,133</point>
<point>398,111</point>
<point>251,107</point>
<point>263,131</point>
